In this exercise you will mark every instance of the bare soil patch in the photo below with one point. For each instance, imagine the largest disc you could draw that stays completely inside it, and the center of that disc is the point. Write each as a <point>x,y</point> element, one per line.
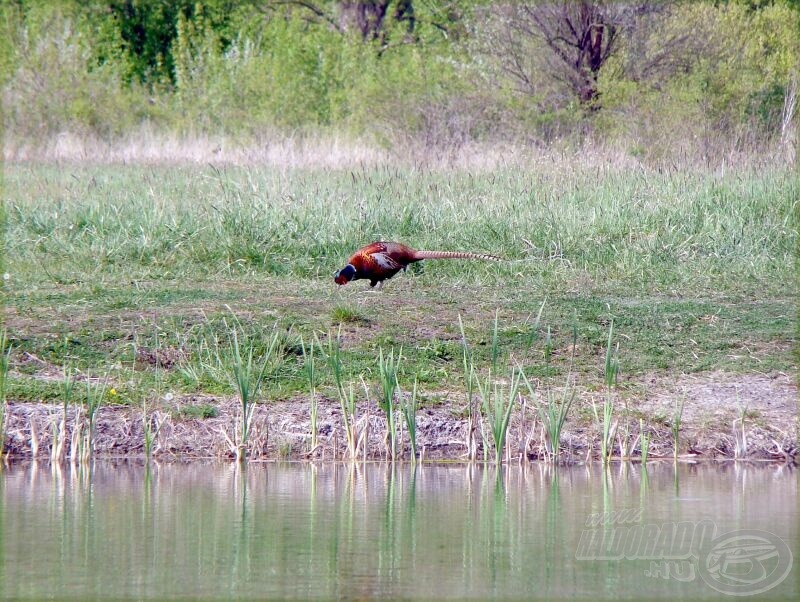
<point>282,430</point>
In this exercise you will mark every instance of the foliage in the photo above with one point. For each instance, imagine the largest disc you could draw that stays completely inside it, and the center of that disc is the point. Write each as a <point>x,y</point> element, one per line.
<point>437,73</point>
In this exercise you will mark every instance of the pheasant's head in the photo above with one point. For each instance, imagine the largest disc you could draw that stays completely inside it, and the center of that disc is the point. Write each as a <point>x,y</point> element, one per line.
<point>345,275</point>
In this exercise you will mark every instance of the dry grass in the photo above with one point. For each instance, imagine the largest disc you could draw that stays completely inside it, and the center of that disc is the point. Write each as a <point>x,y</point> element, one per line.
<point>335,151</point>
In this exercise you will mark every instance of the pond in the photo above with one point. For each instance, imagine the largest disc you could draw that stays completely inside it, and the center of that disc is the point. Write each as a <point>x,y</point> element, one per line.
<point>324,531</point>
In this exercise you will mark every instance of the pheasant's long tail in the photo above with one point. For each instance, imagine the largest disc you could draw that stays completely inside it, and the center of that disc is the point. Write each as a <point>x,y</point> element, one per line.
<point>454,255</point>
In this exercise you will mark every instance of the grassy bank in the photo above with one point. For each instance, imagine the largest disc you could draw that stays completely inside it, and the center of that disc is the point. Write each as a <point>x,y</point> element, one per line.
<point>139,275</point>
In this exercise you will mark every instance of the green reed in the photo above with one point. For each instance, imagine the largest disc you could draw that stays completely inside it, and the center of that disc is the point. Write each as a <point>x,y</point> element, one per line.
<point>498,402</point>
<point>310,372</point>
<point>608,424</point>
<point>388,367</point>
<point>5,354</point>
<point>675,426</point>
<point>554,412</point>
<point>247,373</point>
<point>96,389</point>
<point>469,384</point>
<point>644,441</point>
<point>346,395</point>
<point>58,428</point>
<point>409,409</point>
<point>739,435</point>
<point>553,415</point>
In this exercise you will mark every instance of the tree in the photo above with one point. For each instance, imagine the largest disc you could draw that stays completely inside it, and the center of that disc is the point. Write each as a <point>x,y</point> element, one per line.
<point>579,38</point>
<point>374,19</point>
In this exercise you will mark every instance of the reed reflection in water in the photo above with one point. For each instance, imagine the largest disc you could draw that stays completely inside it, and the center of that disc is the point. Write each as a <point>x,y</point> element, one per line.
<point>365,531</point>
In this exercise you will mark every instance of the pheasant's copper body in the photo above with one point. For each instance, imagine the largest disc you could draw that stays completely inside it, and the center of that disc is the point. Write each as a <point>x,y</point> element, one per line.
<point>380,261</point>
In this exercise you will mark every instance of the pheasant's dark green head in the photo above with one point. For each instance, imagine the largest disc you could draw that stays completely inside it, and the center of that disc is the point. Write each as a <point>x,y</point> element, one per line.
<point>345,275</point>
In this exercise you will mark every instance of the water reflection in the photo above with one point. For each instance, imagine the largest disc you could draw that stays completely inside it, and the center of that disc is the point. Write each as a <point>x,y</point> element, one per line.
<point>364,531</point>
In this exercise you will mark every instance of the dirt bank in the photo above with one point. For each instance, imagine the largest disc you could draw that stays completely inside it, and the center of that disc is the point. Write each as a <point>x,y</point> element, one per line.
<point>712,402</point>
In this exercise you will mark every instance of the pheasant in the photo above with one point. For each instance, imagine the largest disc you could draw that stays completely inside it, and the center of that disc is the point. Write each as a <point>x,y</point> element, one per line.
<point>380,261</point>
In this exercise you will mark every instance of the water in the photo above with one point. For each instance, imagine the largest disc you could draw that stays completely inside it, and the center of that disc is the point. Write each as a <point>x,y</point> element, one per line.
<point>452,531</point>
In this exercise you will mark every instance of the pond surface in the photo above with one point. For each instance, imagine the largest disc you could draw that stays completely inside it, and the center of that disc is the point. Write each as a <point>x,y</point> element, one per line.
<point>371,531</point>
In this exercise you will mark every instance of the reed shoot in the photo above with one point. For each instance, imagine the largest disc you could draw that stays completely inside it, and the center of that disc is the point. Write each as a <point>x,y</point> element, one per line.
<point>95,393</point>
<point>548,346</point>
<point>472,415</point>
<point>247,375</point>
<point>644,441</point>
<point>347,399</point>
<point>58,428</point>
<point>498,402</point>
<point>495,343</point>
<point>677,415</point>
<point>310,371</point>
<point>534,332</point>
<point>608,424</point>
<point>5,353</point>
<point>552,416</point>
<point>387,374</point>
<point>410,416</point>
<point>739,435</point>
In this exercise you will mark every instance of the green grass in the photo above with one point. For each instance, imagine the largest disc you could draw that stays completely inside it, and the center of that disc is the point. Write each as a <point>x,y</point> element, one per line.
<point>608,231</point>
<point>695,270</point>
<point>201,411</point>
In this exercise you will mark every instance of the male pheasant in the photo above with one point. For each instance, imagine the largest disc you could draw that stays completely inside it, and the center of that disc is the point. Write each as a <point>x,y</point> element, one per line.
<point>380,261</point>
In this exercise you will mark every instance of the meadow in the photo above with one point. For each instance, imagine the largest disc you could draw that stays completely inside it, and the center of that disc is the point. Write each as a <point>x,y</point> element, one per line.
<point>166,289</point>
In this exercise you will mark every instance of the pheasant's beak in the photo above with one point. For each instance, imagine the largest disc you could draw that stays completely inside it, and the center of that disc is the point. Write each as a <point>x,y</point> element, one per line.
<point>339,278</point>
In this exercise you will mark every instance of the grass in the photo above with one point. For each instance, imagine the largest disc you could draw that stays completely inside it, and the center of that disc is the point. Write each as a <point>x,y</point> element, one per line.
<point>498,403</point>
<point>644,442</point>
<point>82,447</point>
<point>5,352</point>
<point>247,373</point>
<point>740,435</point>
<point>354,428</point>
<point>675,425</point>
<point>608,425</point>
<point>695,271</point>
<point>388,367</point>
<point>310,367</point>
<point>646,232</point>
<point>469,387</point>
<point>58,448</point>
<point>409,408</point>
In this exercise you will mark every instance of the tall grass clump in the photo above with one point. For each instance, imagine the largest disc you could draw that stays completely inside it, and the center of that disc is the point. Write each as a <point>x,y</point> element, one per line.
<point>58,428</point>
<point>675,426</point>
<point>247,375</point>
<point>5,354</point>
<point>82,447</point>
<point>409,409</point>
<point>644,441</point>
<point>498,402</point>
<point>388,367</point>
<point>608,424</point>
<point>354,428</point>
<point>310,371</point>
<point>554,412</point>
<point>739,435</point>
<point>552,415</point>
<point>497,397</point>
<point>469,384</point>
<point>151,422</point>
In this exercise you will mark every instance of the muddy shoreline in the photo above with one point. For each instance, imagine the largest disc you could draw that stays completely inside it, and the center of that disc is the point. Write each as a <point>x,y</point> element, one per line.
<point>281,431</point>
